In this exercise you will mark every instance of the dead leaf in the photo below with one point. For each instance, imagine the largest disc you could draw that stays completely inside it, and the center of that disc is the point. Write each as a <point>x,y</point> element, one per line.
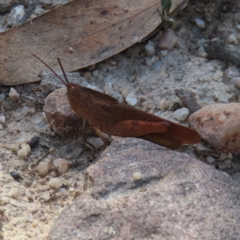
<point>81,33</point>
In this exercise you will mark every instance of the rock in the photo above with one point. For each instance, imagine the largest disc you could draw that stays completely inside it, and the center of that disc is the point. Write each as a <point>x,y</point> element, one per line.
<point>168,40</point>
<point>181,114</point>
<point>27,148</point>
<point>22,153</point>
<point>150,50</point>
<point>55,182</point>
<point>59,114</point>
<point>14,17</point>
<point>13,94</point>
<point>200,23</point>
<point>218,124</point>
<point>95,141</point>
<point>131,99</point>
<point>232,39</point>
<point>210,159</point>
<point>43,168</point>
<point>61,165</point>
<point>137,176</point>
<point>201,52</point>
<point>177,189</point>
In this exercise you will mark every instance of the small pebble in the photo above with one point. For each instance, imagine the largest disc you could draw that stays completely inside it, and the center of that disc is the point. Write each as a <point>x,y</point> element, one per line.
<point>181,114</point>
<point>27,147</point>
<point>14,148</point>
<point>33,143</point>
<point>137,176</point>
<point>61,165</point>
<point>55,182</point>
<point>70,49</point>
<point>201,52</point>
<point>200,23</point>
<point>95,141</point>
<point>15,175</point>
<point>164,53</point>
<point>232,39</point>
<point>22,153</point>
<point>150,50</point>
<point>13,94</point>
<point>117,96</point>
<point>168,40</point>
<point>131,99</point>
<point>210,159</point>
<point>238,26</point>
<point>2,119</point>
<point>163,105</point>
<point>43,168</point>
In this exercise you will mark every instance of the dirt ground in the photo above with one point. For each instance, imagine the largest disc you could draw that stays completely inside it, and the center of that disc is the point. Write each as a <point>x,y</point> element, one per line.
<point>28,206</point>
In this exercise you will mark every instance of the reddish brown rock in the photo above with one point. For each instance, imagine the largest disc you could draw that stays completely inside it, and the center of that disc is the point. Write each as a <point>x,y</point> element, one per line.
<point>60,115</point>
<point>219,125</point>
<point>168,202</point>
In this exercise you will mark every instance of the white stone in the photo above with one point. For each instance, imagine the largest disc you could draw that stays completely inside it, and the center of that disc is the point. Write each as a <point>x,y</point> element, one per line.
<point>22,153</point>
<point>15,15</point>
<point>201,52</point>
<point>210,159</point>
<point>164,53</point>
<point>13,94</point>
<point>55,182</point>
<point>181,114</point>
<point>232,39</point>
<point>61,165</point>
<point>117,96</point>
<point>137,176</point>
<point>43,168</point>
<point>27,147</point>
<point>200,23</point>
<point>150,50</point>
<point>95,141</point>
<point>131,99</point>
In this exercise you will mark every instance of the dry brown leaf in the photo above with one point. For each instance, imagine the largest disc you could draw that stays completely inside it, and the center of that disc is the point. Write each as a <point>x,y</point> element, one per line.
<point>81,33</point>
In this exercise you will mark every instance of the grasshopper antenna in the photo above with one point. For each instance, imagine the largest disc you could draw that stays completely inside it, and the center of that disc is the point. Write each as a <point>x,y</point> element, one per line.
<point>53,70</point>
<point>64,74</point>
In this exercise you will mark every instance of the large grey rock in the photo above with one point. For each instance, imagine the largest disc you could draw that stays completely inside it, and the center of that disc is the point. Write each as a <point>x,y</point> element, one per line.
<point>178,197</point>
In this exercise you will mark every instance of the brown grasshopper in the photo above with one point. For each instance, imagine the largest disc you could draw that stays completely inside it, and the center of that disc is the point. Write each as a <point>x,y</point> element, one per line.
<point>106,115</point>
